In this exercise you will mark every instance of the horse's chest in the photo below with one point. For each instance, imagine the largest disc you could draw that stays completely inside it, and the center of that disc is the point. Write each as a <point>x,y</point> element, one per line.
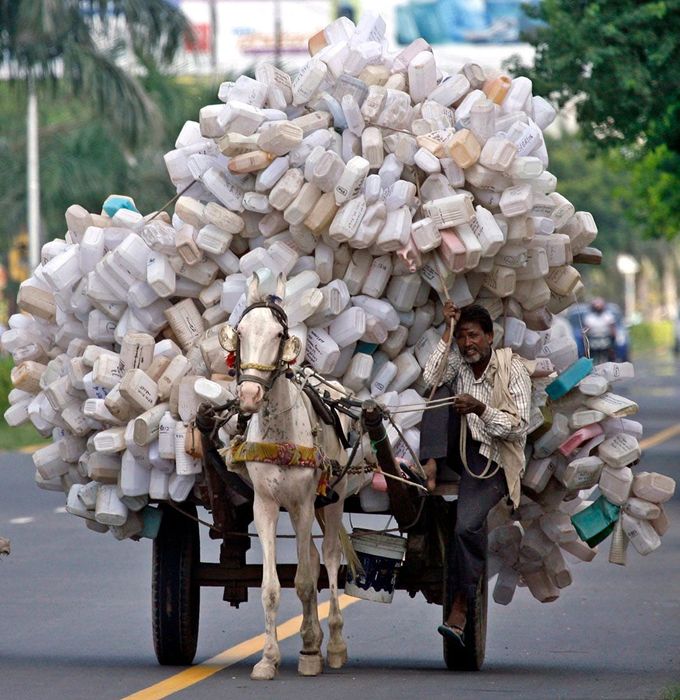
<point>276,424</point>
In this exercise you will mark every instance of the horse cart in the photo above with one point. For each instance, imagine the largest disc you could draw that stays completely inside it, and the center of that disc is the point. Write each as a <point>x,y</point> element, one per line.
<point>179,573</point>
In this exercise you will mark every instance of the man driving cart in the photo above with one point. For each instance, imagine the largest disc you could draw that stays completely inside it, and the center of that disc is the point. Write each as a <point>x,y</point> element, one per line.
<point>480,434</point>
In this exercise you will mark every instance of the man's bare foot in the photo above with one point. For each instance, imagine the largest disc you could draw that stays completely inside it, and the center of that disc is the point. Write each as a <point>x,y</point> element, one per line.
<point>458,614</point>
<point>430,469</point>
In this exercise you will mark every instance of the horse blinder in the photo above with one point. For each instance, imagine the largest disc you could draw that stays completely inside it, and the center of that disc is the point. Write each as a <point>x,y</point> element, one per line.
<point>291,349</point>
<point>228,338</point>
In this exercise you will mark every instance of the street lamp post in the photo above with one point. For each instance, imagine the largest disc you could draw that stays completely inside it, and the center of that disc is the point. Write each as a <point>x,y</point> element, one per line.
<point>628,266</point>
<point>213,35</point>
<point>33,175</point>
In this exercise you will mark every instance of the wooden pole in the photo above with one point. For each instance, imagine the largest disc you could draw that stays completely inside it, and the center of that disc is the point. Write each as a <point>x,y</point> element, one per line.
<point>403,504</point>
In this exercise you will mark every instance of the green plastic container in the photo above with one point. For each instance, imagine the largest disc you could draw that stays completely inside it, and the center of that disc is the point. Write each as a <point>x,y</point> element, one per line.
<point>596,522</point>
<point>368,348</point>
<point>152,522</point>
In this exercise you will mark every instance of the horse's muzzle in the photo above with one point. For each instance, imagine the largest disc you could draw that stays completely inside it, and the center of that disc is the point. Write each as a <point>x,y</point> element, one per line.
<point>250,396</point>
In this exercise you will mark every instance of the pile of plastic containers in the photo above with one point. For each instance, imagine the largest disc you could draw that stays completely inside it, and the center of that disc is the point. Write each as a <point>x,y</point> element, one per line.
<point>379,186</point>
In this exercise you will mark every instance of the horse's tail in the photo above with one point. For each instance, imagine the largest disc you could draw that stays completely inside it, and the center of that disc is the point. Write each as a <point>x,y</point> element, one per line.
<point>353,561</point>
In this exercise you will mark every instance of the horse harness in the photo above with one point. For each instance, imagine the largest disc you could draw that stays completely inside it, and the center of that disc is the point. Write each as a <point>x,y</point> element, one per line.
<point>279,367</point>
<point>323,408</point>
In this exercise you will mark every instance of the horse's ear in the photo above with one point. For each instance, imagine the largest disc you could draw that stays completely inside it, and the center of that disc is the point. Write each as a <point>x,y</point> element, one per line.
<point>227,338</point>
<point>291,349</point>
<point>281,286</point>
<point>253,292</point>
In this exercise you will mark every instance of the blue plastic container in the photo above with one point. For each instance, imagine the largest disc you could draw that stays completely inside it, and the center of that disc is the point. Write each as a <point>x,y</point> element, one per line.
<point>114,202</point>
<point>569,378</point>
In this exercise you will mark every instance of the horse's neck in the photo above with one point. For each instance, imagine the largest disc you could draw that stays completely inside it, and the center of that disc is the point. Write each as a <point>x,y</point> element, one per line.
<point>284,416</point>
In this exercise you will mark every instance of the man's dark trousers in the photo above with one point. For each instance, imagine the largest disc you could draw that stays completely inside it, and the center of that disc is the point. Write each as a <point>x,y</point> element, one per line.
<point>440,439</point>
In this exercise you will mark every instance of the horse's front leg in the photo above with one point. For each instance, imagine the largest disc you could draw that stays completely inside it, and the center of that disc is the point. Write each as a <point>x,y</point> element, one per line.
<point>266,515</point>
<point>310,661</point>
<point>336,652</point>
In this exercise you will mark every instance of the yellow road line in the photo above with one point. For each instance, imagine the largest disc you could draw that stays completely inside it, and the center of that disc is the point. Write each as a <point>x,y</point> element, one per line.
<point>29,449</point>
<point>229,657</point>
<point>661,436</point>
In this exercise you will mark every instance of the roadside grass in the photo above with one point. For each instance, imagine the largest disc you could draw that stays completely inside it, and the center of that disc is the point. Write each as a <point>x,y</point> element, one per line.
<point>671,693</point>
<point>6,365</point>
<point>24,435</point>
<point>650,336</point>
<point>12,439</point>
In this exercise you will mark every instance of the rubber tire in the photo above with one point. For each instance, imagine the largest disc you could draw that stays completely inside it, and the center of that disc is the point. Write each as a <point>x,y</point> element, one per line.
<point>471,657</point>
<point>176,593</point>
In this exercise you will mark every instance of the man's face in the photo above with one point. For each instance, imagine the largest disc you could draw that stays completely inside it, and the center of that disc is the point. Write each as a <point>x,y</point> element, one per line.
<point>473,343</point>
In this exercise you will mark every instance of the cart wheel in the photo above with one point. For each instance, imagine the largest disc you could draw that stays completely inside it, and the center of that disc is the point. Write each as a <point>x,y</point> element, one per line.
<point>471,657</point>
<point>176,594</point>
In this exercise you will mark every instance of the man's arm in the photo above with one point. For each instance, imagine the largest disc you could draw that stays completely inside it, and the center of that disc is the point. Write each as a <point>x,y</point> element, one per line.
<point>500,424</point>
<point>432,370</point>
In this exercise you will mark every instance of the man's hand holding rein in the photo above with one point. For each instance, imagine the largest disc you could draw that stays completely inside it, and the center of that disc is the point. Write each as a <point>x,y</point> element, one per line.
<point>451,312</point>
<point>465,403</point>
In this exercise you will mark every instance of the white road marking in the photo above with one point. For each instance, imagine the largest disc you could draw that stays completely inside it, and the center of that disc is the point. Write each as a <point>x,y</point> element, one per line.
<point>61,509</point>
<point>21,521</point>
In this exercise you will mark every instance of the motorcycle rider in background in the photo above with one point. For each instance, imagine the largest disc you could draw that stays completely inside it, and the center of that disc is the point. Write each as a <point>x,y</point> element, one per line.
<point>600,330</point>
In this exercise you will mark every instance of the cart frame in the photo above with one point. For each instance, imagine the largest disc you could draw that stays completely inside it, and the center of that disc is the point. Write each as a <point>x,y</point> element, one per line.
<point>179,573</point>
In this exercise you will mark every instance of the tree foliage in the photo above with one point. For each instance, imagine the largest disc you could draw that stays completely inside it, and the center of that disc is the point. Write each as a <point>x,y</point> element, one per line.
<point>604,183</point>
<point>83,45</point>
<point>617,61</point>
<point>655,185</point>
<point>620,59</point>
<point>83,160</point>
<point>598,184</point>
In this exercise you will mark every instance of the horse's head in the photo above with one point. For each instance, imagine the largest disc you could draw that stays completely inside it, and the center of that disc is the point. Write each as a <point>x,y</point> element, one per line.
<point>260,342</point>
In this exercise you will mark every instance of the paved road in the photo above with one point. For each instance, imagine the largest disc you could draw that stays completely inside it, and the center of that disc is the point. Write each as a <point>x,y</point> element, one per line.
<point>75,613</point>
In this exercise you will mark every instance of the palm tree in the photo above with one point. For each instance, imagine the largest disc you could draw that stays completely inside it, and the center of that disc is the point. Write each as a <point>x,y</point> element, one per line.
<point>81,47</point>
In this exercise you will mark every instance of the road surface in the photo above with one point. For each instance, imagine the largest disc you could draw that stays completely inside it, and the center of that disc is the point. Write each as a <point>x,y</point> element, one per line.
<point>76,618</point>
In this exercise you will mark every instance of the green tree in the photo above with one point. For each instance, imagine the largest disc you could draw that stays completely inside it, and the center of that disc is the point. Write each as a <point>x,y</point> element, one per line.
<point>655,183</point>
<point>597,182</point>
<point>617,61</point>
<point>77,47</point>
<point>619,58</point>
<point>83,160</point>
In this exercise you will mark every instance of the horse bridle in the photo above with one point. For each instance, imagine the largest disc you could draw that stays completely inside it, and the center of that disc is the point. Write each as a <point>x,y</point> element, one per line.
<point>276,369</point>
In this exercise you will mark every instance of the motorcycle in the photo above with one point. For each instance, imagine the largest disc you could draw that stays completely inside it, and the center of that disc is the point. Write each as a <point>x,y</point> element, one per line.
<point>601,348</point>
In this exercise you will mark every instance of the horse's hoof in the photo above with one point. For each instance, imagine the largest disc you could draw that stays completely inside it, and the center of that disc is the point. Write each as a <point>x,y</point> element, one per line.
<point>310,664</point>
<point>263,671</point>
<point>336,659</point>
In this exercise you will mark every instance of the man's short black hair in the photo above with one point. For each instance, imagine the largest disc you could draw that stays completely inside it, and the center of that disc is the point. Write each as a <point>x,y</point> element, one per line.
<point>476,313</point>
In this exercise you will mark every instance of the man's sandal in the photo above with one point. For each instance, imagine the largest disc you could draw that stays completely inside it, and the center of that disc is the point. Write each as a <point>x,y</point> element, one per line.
<point>453,633</point>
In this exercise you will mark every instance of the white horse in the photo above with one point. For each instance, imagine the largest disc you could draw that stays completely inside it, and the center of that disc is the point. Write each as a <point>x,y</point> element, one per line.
<point>280,414</point>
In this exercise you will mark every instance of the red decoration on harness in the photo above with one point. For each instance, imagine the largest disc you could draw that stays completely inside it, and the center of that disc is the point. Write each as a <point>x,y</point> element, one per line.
<point>230,360</point>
